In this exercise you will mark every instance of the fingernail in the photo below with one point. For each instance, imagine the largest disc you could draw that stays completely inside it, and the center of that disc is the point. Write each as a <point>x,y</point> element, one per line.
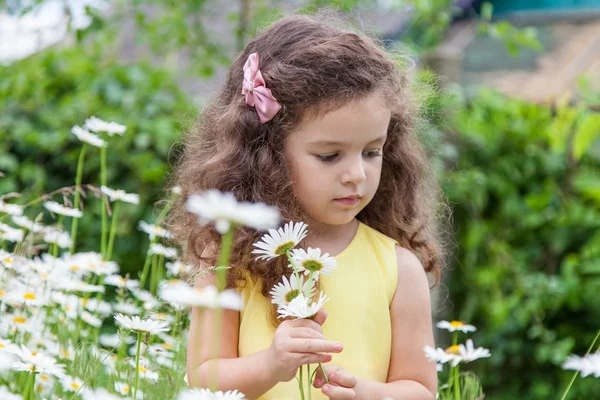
<point>339,347</point>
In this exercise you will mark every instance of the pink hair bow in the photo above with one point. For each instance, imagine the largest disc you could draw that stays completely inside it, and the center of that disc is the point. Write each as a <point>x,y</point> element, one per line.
<point>257,94</point>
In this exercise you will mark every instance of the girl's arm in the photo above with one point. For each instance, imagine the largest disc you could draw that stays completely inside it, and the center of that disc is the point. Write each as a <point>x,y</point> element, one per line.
<point>411,375</point>
<point>248,375</point>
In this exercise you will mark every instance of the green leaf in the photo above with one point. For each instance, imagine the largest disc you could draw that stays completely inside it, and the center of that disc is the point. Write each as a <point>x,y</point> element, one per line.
<point>586,135</point>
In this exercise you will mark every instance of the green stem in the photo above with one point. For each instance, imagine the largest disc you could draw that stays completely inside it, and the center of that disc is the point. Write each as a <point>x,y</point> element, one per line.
<point>104,211</point>
<point>309,390</point>
<point>589,350</point>
<point>223,260</point>
<point>113,229</point>
<point>75,221</point>
<point>324,374</point>
<point>26,391</point>
<point>146,267</point>
<point>300,383</point>
<point>154,273</point>
<point>456,383</point>
<point>137,365</point>
<point>221,273</point>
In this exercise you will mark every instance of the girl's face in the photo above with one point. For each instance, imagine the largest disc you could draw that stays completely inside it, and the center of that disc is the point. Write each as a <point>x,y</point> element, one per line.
<point>339,156</point>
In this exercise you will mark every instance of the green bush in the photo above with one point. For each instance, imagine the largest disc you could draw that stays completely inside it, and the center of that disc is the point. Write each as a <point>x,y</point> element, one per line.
<point>525,189</point>
<point>43,96</point>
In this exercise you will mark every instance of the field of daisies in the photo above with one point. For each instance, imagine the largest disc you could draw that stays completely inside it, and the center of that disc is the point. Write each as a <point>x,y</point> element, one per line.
<point>74,327</point>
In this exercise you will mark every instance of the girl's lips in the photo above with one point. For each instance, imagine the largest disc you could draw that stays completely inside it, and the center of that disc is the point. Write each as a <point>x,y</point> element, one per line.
<point>349,201</point>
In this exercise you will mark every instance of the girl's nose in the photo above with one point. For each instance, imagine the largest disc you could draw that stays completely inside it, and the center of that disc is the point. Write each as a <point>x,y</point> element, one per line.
<point>355,172</point>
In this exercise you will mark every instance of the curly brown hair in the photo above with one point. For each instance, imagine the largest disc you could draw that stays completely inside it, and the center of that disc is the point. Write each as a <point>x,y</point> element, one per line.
<point>311,67</point>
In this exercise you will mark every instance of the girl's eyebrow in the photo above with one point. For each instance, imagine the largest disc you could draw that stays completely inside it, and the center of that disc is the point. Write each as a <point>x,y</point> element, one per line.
<point>337,143</point>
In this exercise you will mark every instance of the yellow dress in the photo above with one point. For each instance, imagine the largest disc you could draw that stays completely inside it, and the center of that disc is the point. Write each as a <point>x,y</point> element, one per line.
<point>360,289</point>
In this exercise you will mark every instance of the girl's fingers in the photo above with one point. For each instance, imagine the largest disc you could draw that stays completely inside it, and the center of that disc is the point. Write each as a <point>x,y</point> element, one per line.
<point>338,392</point>
<point>342,378</point>
<point>308,323</point>
<point>303,332</point>
<point>319,380</point>
<point>314,346</point>
<point>312,358</point>
<point>320,317</point>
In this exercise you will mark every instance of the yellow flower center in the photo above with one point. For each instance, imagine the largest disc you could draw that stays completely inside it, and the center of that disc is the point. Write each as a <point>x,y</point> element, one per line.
<point>40,388</point>
<point>167,346</point>
<point>1,345</point>
<point>2,293</point>
<point>44,378</point>
<point>8,260</point>
<point>312,265</point>
<point>284,248</point>
<point>291,295</point>
<point>75,386</point>
<point>142,369</point>
<point>29,296</point>
<point>456,324</point>
<point>453,349</point>
<point>19,320</point>
<point>33,353</point>
<point>74,268</point>
<point>123,280</point>
<point>126,389</point>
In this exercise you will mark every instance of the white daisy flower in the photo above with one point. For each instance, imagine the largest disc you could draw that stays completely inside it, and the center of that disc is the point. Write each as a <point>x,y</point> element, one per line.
<point>299,307</point>
<point>585,365</point>
<point>123,389</point>
<point>278,242</point>
<point>119,194</point>
<point>150,302</point>
<point>25,222</point>
<point>205,394</point>
<point>98,125</point>
<point>11,234</point>
<point>183,294</point>
<point>7,259</point>
<point>57,208</point>
<point>12,209</point>
<point>167,252</point>
<point>286,291</point>
<point>121,282</point>
<point>71,383</point>
<point>26,296</point>
<point>439,355</point>
<point>144,371</point>
<point>469,353</point>
<point>456,326</point>
<point>312,261</point>
<point>60,238</point>
<point>154,230</point>
<point>223,209</point>
<point>141,325</point>
<point>92,262</point>
<point>127,308</point>
<point>37,362</point>
<point>86,136</point>
<point>91,319</point>
<point>177,268</point>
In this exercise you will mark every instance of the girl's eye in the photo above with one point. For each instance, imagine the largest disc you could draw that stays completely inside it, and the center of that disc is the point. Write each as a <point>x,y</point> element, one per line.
<point>327,157</point>
<point>372,154</point>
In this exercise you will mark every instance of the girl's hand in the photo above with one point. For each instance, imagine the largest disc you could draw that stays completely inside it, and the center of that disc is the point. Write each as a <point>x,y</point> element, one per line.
<point>297,343</point>
<point>342,385</point>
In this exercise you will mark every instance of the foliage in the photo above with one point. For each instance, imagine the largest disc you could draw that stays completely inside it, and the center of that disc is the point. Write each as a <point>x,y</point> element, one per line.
<point>44,96</point>
<point>526,195</point>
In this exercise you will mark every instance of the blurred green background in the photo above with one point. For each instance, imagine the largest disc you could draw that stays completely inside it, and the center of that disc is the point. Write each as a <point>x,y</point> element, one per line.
<point>517,158</point>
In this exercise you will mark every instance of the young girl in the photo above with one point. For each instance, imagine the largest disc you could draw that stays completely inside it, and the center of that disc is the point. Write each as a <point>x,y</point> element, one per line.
<point>317,121</point>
